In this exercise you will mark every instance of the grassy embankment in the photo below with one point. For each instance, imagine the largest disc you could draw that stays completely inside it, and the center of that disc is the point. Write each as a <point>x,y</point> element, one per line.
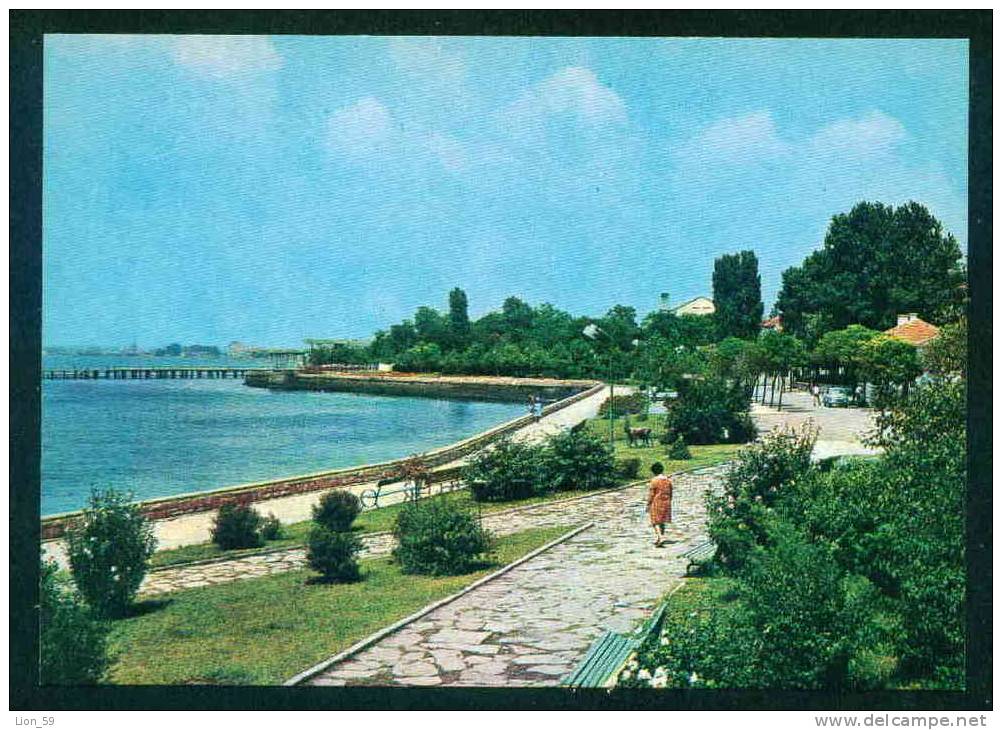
<point>265,630</point>
<point>382,519</point>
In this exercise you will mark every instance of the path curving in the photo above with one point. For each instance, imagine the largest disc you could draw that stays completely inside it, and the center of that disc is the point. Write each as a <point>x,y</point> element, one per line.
<point>530,626</point>
<point>572,511</point>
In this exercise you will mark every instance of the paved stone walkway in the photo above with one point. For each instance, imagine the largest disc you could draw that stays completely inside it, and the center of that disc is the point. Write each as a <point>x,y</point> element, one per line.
<point>563,512</point>
<point>533,624</point>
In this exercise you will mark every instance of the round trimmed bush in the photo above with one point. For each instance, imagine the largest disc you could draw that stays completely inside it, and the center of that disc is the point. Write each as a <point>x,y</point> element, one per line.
<point>236,526</point>
<point>109,547</point>
<point>679,450</point>
<point>337,510</point>
<point>628,468</point>
<point>438,537</point>
<point>334,554</point>
<point>271,528</point>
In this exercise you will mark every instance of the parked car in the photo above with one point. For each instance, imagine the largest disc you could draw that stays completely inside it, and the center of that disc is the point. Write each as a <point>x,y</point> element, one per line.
<point>837,397</point>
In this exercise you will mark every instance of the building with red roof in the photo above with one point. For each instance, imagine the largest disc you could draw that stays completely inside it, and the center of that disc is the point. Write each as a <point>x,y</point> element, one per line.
<point>913,330</point>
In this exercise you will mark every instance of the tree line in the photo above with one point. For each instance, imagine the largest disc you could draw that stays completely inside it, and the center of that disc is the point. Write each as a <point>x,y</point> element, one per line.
<point>876,261</point>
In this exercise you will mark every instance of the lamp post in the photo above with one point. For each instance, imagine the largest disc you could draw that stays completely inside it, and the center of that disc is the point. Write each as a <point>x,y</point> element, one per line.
<point>592,332</point>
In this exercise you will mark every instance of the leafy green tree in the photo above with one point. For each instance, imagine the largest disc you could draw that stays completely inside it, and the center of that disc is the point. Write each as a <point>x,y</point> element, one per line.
<point>843,350</point>
<point>73,646</point>
<point>432,328</point>
<point>689,330</point>
<point>710,411</point>
<point>877,261</point>
<point>517,317</point>
<point>663,365</point>
<point>109,549</point>
<point>737,295</point>
<point>947,354</point>
<point>889,364</point>
<point>459,318</point>
<point>776,353</point>
<point>620,327</point>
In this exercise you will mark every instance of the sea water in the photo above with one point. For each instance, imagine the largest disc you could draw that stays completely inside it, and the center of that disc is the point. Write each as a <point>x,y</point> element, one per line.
<point>156,438</point>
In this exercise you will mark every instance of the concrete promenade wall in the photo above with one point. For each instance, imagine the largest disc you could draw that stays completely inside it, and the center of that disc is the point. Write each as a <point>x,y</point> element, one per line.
<point>466,387</point>
<point>54,527</point>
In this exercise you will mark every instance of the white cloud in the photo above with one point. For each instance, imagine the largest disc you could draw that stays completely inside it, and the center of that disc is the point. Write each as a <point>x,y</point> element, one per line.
<point>449,151</point>
<point>573,92</point>
<point>740,138</point>
<point>874,133</point>
<point>226,56</point>
<point>367,131</point>
<point>360,129</point>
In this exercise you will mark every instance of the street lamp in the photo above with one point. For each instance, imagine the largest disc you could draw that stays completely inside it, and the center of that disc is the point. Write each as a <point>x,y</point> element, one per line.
<point>592,331</point>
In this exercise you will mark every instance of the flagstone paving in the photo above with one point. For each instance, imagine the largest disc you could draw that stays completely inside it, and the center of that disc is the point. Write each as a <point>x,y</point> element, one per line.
<point>552,514</point>
<point>533,624</point>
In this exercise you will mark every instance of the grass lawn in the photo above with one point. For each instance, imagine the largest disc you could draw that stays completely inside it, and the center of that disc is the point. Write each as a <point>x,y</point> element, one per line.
<point>379,520</point>
<point>701,455</point>
<point>265,630</point>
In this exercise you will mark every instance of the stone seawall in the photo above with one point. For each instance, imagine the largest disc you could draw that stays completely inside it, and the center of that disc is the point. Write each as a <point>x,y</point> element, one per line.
<point>510,390</point>
<point>165,508</point>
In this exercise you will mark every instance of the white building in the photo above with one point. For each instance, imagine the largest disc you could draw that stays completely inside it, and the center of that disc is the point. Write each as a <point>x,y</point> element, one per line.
<point>698,306</point>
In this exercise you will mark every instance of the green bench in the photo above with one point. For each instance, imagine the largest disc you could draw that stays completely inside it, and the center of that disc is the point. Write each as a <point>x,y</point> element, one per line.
<point>699,555</point>
<point>447,480</point>
<point>606,657</point>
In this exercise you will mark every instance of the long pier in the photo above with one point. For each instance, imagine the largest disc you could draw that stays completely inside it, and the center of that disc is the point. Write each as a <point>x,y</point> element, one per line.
<point>147,373</point>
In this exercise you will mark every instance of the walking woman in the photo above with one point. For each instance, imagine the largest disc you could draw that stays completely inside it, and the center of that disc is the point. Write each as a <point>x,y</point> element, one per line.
<point>659,502</point>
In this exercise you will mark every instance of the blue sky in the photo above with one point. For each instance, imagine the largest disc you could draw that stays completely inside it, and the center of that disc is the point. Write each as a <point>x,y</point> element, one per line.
<point>207,188</point>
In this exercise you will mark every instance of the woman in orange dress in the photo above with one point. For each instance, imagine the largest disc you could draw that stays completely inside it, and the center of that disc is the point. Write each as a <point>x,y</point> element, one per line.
<point>659,502</point>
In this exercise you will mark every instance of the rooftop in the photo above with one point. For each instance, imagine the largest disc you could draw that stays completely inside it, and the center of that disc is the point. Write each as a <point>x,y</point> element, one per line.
<point>914,331</point>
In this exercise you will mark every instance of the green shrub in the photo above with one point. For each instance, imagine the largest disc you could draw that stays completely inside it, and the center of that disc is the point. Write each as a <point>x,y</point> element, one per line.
<point>271,528</point>
<point>632,404</point>
<point>679,451</point>
<point>510,470</point>
<point>715,649</point>
<point>333,554</point>
<point>739,518</point>
<point>438,537</point>
<point>236,526</point>
<point>577,461</point>
<point>73,647</point>
<point>628,468</point>
<point>710,411</point>
<point>337,510</point>
<point>109,547</point>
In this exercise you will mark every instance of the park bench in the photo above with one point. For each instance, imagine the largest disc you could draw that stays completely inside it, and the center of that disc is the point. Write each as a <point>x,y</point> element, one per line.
<point>447,480</point>
<point>606,657</point>
<point>699,555</point>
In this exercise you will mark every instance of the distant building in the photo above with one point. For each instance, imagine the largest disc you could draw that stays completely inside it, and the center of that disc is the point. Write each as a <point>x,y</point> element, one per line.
<point>663,302</point>
<point>773,323</point>
<point>238,349</point>
<point>913,330</point>
<point>698,306</point>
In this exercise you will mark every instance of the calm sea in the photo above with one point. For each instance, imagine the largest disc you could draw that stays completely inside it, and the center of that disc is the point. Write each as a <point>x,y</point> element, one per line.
<point>156,438</point>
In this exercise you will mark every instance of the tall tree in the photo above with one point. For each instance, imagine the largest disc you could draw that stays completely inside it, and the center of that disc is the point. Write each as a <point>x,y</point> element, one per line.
<point>459,318</point>
<point>431,326</point>
<point>737,295</point>
<point>877,262</point>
